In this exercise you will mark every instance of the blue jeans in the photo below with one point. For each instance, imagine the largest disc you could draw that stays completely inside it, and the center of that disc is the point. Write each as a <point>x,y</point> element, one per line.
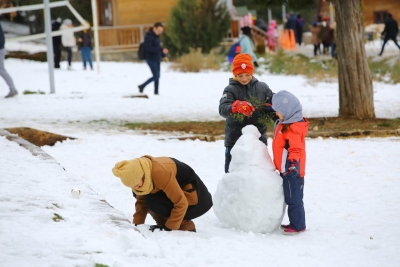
<point>69,55</point>
<point>86,53</point>
<point>155,70</point>
<point>228,158</point>
<point>333,49</point>
<point>293,189</point>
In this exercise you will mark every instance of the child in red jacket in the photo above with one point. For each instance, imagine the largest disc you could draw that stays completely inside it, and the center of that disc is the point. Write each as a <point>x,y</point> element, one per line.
<point>289,151</point>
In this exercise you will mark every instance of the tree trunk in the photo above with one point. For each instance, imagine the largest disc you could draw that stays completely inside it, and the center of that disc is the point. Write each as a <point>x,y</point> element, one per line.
<point>356,96</point>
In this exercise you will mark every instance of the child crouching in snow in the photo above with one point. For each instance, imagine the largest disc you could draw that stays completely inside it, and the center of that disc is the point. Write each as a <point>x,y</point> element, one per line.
<point>166,188</point>
<point>235,99</point>
<point>289,151</point>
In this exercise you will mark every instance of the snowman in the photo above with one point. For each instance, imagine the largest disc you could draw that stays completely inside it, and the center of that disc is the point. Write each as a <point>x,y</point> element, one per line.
<point>250,197</point>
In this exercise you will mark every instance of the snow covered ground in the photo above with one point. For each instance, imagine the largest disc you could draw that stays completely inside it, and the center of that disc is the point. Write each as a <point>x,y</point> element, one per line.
<point>351,188</point>
<point>85,96</point>
<point>351,201</point>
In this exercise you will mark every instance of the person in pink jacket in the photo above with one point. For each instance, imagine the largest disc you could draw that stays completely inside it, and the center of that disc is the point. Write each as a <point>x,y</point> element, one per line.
<point>271,35</point>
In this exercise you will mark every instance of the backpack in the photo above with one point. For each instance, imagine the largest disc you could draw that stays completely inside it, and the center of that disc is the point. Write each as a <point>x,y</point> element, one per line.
<point>234,50</point>
<point>142,52</point>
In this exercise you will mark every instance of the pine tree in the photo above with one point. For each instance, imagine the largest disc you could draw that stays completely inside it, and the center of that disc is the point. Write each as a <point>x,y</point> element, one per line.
<point>196,24</point>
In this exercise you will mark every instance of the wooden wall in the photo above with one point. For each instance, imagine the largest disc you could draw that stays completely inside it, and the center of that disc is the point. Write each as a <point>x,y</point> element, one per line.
<point>142,11</point>
<point>371,6</point>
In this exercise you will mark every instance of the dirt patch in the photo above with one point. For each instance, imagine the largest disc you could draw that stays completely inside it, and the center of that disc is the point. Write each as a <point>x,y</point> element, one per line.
<point>38,137</point>
<point>317,125</point>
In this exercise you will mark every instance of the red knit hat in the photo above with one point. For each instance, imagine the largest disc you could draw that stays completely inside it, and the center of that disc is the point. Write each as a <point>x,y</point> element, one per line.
<point>242,63</point>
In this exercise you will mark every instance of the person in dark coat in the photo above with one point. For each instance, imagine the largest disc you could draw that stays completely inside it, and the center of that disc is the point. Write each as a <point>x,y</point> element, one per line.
<point>153,55</point>
<point>390,32</point>
<point>3,73</point>
<point>325,35</point>
<point>291,24</point>
<point>166,188</point>
<point>299,29</point>
<point>235,100</point>
<point>86,46</point>
<point>55,26</point>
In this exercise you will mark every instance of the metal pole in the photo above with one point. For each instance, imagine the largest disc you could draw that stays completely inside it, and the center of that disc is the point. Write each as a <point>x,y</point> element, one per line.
<point>49,42</point>
<point>283,13</point>
<point>269,15</point>
<point>332,19</point>
<point>96,35</point>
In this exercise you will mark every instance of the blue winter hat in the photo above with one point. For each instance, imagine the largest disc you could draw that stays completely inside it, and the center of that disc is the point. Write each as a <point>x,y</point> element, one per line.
<point>288,105</point>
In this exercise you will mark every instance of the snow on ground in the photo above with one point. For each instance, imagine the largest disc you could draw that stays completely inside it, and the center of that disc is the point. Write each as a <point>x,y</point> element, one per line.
<point>351,202</point>
<point>29,47</point>
<point>85,96</point>
<point>351,189</point>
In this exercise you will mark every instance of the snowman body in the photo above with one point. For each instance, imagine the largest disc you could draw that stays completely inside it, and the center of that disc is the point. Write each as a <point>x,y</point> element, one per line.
<point>250,197</point>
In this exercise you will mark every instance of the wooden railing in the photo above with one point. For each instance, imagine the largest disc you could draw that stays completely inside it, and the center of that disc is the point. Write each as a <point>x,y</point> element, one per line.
<point>129,37</point>
<point>259,36</point>
<point>119,38</point>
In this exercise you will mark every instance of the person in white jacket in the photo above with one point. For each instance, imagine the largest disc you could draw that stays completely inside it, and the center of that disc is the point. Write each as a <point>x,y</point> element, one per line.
<point>247,44</point>
<point>68,40</point>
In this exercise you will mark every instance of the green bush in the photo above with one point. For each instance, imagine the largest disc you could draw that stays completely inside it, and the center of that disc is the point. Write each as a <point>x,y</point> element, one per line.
<point>196,24</point>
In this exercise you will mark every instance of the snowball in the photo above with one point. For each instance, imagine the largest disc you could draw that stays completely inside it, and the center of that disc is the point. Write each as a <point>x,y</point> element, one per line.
<point>250,197</point>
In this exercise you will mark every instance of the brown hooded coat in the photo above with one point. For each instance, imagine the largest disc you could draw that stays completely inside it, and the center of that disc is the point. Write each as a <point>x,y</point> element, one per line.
<point>183,190</point>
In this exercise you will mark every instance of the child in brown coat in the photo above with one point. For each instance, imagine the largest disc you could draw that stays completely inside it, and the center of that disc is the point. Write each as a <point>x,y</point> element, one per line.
<point>166,188</point>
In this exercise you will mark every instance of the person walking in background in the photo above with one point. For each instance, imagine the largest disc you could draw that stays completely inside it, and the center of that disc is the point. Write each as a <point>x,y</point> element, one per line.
<point>55,26</point>
<point>333,39</point>
<point>272,35</point>
<point>153,55</point>
<point>291,24</point>
<point>3,73</point>
<point>247,44</point>
<point>324,35</point>
<point>390,32</point>
<point>299,29</point>
<point>68,40</point>
<point>85,44</point>
<point>315,29</point>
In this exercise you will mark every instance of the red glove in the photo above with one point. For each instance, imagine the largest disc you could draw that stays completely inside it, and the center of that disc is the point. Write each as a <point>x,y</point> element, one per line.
<point>243,107</point>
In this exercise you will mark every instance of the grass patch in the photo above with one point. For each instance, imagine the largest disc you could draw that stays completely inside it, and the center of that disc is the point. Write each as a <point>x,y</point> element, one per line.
<point>100,265</point>
<point>195,127</point>
<point>196,61</point>
<point>57,217</point>
<point>318,69</point>
<point>40,56</point>
<point>384,124</point>
<point>326,124</point>
<point>56,205</point>
<point>315,69</point>
<point>385,71</point>
<point>38,92</point>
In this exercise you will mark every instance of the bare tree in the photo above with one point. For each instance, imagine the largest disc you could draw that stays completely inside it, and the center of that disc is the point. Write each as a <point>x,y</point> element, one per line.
<point>356,95</point>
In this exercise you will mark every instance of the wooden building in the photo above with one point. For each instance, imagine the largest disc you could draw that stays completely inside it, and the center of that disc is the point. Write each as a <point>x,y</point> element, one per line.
<point>375,12</point>
<point>131,12</point>
<point>123,23</point>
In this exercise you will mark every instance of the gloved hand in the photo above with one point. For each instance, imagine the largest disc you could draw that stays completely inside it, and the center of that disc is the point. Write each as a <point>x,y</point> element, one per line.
<point>267,108</point>
<point>160,227</point>
<point>255,64</point>
<point>244,107</point>
<point>292,169</point>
